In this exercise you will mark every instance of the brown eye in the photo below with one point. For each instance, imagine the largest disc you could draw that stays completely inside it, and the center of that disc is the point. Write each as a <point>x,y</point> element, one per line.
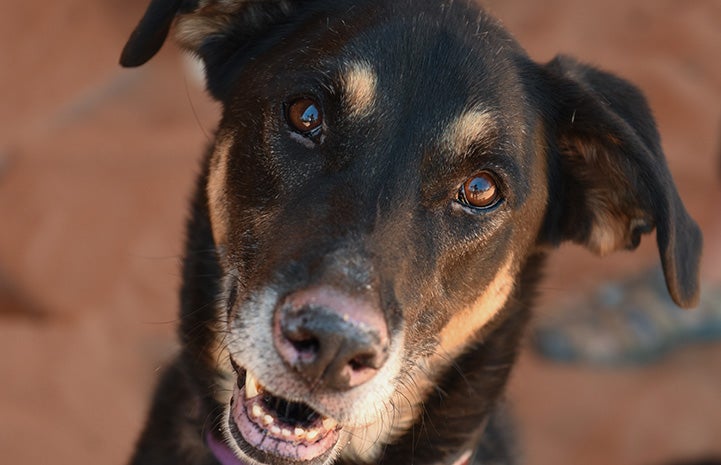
<point>304,116</point>
<point>479,191</point>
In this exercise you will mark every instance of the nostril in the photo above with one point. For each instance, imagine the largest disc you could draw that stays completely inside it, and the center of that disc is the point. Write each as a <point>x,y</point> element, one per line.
<point>309,346</point>
<point>356,364</point>
<point>304,343</point>
<point>358,370</point>
<point>362,362</point>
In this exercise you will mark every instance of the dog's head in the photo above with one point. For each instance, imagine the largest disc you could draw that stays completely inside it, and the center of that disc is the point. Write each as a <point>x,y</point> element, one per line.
<point>381,175</point>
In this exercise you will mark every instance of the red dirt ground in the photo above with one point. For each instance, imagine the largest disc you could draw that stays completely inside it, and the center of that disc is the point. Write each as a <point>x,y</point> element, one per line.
<point>96,165</point>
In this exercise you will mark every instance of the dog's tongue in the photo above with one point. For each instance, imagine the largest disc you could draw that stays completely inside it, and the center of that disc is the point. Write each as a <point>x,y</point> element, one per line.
<point>222,452</point>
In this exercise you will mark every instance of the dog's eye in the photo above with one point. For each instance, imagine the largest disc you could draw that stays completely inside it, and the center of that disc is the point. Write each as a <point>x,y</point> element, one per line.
<point>479,191</point>
<point>305,117</point>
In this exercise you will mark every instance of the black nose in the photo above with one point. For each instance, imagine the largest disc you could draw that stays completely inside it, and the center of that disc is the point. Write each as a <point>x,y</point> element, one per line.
<point>330,338</point>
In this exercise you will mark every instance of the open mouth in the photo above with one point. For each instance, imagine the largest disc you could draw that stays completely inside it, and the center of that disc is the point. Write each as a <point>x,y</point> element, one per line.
<point>270,428</point>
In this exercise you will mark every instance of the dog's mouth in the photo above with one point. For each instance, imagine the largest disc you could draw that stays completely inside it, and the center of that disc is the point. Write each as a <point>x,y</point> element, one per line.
<point>269,428</point>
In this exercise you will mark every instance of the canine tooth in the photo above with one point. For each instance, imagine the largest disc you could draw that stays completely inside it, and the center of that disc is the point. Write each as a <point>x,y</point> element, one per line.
<point>256,411</point>
<point>329,423</point>
<point>312,434</point>
<point>251,386</point>
<point>275,430</point>
<point>300,432</point>
<point>268,420</point>
<point>285,432</point>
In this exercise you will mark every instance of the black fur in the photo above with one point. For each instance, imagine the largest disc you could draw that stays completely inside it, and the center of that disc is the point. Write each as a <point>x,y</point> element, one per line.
<point>374,211</point>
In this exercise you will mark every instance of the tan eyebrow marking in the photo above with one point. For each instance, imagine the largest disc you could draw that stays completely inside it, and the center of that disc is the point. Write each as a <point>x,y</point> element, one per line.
<point>360,82</point>
<point>472,127</point>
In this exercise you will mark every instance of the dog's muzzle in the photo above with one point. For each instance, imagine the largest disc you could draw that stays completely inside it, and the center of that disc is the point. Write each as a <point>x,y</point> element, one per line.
<point>331,342</point>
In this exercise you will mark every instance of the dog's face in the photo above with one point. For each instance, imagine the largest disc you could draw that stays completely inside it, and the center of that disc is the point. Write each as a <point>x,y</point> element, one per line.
<point>375,192</point>
<point>381,174</point>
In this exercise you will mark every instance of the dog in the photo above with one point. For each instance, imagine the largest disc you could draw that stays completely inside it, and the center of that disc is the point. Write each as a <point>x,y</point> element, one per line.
<point>371,222</point>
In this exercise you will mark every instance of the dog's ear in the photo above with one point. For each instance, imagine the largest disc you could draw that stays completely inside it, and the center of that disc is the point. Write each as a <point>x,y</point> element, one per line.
<point>150,34</point>
<point>615,182</point>
<point>199,22</point>
<point>224,34</point>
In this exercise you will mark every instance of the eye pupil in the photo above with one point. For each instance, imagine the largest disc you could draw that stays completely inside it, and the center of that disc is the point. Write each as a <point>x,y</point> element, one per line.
<point>304,116</point>
<point>480,191</point>
<point>310,116</point>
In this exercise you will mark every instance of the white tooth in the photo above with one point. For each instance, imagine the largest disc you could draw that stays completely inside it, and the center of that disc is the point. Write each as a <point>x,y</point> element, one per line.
<point>299,432</point>
<point>275,430</point>
<point>285,432</point>
<point>251,386</point>
<point>329,423</point>
<point>256,411</point>
<point>268,420</point>
<point>312,434</point>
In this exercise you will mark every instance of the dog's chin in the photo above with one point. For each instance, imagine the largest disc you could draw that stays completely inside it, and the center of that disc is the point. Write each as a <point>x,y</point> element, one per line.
<point>269,429</point>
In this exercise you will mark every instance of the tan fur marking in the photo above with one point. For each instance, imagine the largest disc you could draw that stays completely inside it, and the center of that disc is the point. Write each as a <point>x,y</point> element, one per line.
<point>360,83</point>
<point>606,234</point>
<point>216,190</point>
<point>209,18</point>
<point>463,325</point>
<point>192,29</point>
<point>212,17</point>
<point>611,226</point>
<point>469,128</point>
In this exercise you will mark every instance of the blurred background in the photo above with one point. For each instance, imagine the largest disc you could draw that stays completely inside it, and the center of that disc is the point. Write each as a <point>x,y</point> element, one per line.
<point>97,165</point>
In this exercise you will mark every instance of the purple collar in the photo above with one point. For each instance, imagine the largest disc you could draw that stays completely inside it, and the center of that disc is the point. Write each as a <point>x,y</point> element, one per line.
<point>221,451</point>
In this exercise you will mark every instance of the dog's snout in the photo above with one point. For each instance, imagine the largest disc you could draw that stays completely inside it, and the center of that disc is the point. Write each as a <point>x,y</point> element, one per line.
<point>330,338</point>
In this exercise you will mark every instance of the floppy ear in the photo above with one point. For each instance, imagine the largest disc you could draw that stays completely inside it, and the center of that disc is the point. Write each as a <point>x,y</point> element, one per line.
<point>199,22</point>
<point>615,182</point>
<point>150,34</point>
<point>214,30</point>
